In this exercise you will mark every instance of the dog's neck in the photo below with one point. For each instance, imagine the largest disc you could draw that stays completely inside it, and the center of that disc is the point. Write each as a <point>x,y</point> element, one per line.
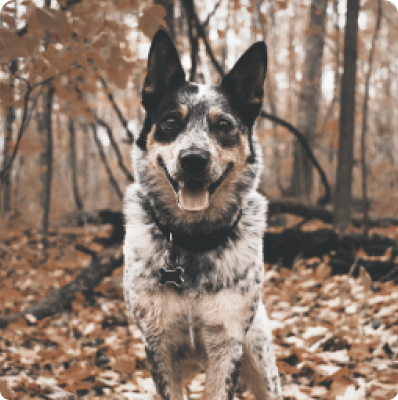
<point>199,241</point>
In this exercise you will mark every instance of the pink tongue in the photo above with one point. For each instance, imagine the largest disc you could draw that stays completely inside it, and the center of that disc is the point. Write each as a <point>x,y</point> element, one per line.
<point>193,197</point>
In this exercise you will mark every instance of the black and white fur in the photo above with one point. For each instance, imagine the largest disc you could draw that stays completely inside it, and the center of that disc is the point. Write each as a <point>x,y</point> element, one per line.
<point>215,321</point>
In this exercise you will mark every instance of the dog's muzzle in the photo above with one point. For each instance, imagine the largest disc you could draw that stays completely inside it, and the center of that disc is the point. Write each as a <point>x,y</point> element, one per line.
<point>192,193</point>
<point>194,162</point>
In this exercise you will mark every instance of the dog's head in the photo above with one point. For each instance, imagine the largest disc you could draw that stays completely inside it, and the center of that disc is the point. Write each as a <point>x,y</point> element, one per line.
<point>196,154</point>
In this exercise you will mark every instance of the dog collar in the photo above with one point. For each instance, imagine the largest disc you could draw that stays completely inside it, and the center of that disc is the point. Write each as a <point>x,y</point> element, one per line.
<point>194,242</point>
<point>171,275</point>
<point>199,242</point>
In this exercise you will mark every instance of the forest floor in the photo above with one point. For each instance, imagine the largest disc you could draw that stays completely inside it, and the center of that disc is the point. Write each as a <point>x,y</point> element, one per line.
<point>335,337</point>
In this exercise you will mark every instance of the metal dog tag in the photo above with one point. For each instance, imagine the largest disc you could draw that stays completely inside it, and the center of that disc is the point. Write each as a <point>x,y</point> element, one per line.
<point>171,276</point>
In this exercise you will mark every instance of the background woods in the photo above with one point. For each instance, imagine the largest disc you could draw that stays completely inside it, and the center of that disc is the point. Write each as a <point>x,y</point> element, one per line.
<point>71,73</point>
<point>70,97</point>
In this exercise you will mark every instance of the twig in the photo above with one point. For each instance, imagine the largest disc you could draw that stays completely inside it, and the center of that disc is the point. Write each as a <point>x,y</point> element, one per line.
<point>390,275</point>
<point>189,4</point>
<point>27,115</point>
<point>207,20</point>
<point>108,129</point>
<point>327,197</point>
<point>193,34</point>
<point>101,122</point>
<point>118,111</point>
<point>354,266</point>
<point>22,128</point>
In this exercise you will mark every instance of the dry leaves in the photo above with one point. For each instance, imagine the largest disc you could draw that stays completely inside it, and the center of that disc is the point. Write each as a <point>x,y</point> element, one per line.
<point>335,337</point>
<point>151,19</point>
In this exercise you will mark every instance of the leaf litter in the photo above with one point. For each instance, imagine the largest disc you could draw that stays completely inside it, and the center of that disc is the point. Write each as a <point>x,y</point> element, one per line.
<point>335,337</point>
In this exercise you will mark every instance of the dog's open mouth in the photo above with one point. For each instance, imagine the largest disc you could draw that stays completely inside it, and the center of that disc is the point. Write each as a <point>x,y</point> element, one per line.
<point>194,195</point>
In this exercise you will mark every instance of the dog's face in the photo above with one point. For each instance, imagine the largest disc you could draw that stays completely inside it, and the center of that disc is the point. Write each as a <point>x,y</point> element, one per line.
<point>196,150</point>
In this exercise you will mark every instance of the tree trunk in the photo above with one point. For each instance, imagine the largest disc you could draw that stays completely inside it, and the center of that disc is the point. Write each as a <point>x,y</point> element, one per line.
<point>72,147</point>
<point>6,181</point>
<point>86,159</point>
<point>342,198</point>
<point>365,123</point>
<point>302,177</point>
<point>47,156</point>
<point>270,37</point>
<point>193,37</point>
<point>10,117</point>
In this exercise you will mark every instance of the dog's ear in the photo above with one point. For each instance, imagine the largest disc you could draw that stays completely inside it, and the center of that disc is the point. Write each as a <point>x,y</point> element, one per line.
<point>164,69</point>
<point>244,83</point>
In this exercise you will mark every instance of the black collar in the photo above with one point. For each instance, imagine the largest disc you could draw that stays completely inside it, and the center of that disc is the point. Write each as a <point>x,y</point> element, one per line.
<point>199,241</point>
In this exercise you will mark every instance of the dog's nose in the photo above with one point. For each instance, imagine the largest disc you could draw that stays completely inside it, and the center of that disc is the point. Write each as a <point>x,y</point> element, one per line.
<point>194,161</point>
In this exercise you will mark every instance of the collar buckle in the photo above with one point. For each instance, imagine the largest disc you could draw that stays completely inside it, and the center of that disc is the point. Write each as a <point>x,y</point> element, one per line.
<point>171,275</point>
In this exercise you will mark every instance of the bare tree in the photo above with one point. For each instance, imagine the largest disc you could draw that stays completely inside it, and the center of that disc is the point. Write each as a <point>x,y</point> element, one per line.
<point>342,197</point>
<point>308,106</point>
<point>365,121</point>
<point>47,156</point>
<point>10,117</point>
<point>73,160</point>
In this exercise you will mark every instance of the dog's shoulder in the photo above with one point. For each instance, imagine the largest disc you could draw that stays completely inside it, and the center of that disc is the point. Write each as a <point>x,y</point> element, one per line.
<point>255,211</point>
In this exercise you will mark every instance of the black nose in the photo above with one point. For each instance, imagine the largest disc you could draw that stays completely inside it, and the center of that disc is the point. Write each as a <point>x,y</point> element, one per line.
<point>194,161</point>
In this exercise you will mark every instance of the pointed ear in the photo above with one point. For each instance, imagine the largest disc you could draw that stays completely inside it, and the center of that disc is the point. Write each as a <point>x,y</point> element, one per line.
<point>244,83</point>
<point>164,69</point>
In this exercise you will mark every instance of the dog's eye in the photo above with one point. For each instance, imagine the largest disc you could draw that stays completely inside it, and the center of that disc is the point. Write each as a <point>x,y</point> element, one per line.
<point>224,125</point>
<point>171,123</point>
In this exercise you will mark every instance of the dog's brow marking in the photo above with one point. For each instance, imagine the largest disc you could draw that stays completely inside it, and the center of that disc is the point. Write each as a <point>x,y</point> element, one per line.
<point>183,111</point>
<point>150,140</point>
<point>214,114</point>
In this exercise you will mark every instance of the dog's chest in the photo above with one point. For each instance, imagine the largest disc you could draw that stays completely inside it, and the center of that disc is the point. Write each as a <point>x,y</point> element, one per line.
<point>233,265</point>
<point>221,287</point>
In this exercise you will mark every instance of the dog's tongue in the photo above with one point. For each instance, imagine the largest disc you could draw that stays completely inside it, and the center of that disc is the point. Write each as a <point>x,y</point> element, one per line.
<point>193,196</point>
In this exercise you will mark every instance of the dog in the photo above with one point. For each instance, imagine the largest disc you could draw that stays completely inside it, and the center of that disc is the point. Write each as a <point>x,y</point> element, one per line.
<point>194,229</point>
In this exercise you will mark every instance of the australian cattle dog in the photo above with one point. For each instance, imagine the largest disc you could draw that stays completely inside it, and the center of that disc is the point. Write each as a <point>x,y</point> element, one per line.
<point>195,223</point>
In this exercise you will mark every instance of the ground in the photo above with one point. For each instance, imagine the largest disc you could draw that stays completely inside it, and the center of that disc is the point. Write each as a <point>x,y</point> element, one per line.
<point>335,337</point>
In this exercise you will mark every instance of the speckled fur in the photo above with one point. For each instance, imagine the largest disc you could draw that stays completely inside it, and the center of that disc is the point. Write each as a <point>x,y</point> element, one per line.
<point>216,321</point>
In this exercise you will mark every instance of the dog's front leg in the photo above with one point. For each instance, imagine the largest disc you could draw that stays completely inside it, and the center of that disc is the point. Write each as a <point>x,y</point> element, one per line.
<point>165,369</point>
<point>224,364</point>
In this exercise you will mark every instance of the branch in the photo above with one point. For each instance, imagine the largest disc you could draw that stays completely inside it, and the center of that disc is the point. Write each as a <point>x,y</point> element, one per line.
<point>201,33</point>
<point>22,129</point>
<point>207,20</point>
<point>193,25</point>
<point>104,160</point>
<point>118,111</point>
<point>296,207</point>
<point>101,122</point>
<point>26,116</point>
<point>327,197</point>
<point>101,266</point>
